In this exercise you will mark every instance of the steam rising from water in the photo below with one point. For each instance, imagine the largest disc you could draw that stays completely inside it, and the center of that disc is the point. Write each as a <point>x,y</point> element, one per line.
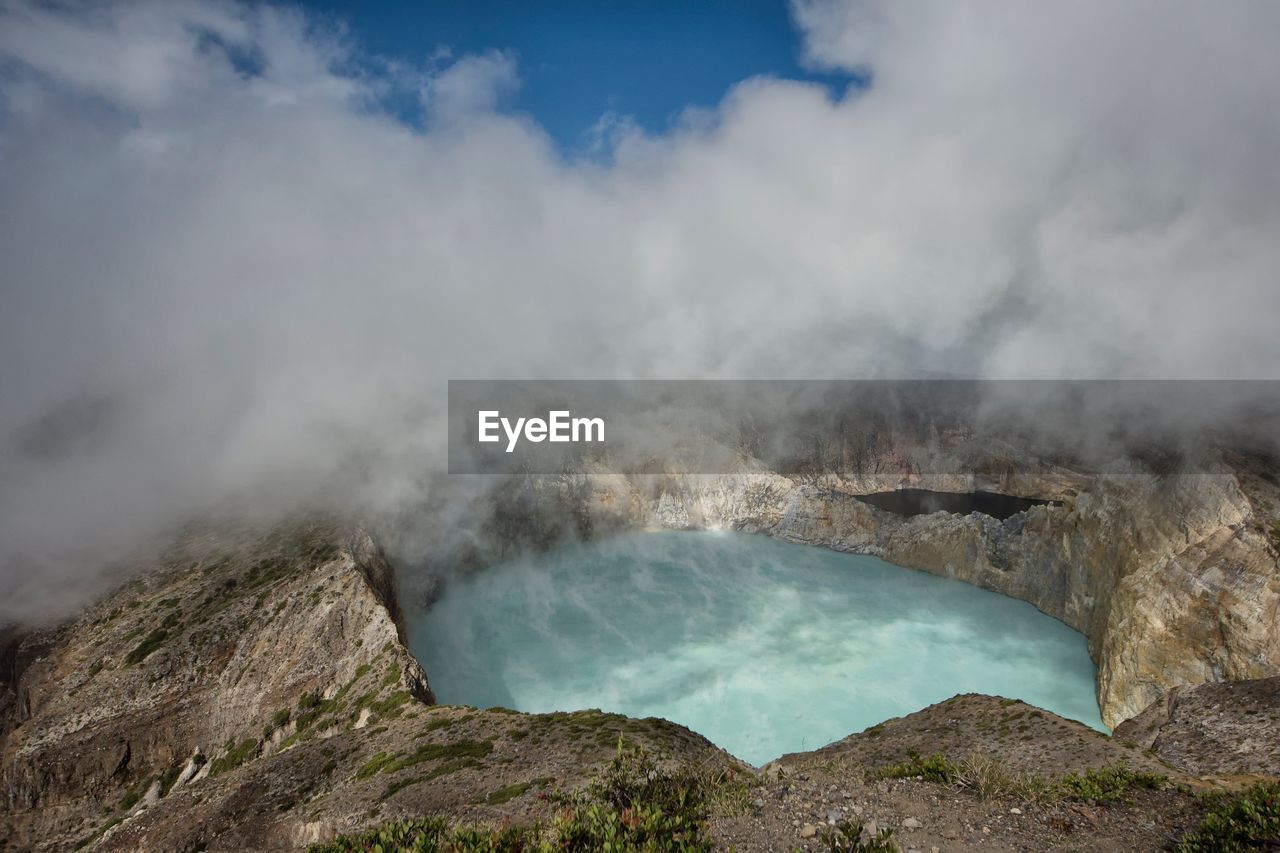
<point>764,647</point>
<point>232,278</point>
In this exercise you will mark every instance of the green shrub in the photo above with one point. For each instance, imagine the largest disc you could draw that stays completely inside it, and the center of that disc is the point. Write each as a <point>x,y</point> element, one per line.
<point>444,769</point>
<point>1249,822</point>
<point>134,795</point>
<point>431,834</point>
<point>464,749</point>
<point>168,779</point>
<point>640,827</point>
<point>435,725</point>
<point>235,756</point>
<point>935,768</point>
<point>267,571</point>
<point>988,777</point>
<point>847,838</point>
<point>98,833</point>
<point>391,705</point>
<point>510,792</point>
<point>632,805</point>
<point>1109,785</point>
<point>149,644</point>
<point>153,640</point>
<point>373,765</point>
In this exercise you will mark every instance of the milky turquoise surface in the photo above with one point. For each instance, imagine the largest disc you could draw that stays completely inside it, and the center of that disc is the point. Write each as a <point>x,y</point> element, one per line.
<point>762,646</point>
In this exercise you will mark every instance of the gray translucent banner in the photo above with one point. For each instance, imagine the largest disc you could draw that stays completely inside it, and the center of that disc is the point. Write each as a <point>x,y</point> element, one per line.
<point>846,428</point>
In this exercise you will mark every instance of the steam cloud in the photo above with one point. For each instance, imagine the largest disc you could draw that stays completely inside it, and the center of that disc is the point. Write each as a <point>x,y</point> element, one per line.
<point>229,274</point>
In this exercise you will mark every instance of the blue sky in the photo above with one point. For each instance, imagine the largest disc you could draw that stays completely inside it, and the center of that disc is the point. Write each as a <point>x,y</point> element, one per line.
<point>579,59</point>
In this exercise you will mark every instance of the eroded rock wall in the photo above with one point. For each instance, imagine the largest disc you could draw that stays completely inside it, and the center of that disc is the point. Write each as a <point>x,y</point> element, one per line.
<point>1172,578</point>
<point>187,666</point>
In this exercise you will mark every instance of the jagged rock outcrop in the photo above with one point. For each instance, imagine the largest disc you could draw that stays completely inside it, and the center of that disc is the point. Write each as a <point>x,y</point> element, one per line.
<point>176,675</point>
<point>1227,729</point>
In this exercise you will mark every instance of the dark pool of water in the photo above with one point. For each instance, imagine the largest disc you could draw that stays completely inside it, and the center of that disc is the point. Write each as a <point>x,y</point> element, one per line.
<point>923,501</point>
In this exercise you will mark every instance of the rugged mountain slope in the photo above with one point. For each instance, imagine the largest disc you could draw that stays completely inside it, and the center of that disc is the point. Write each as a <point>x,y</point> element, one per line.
<point>252,691</point>
<point>155,683</point>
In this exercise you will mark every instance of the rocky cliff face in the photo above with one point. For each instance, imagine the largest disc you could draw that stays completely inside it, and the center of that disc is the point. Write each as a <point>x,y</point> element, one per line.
<point>183,672</point>
<point>252,691</point>
<point>1173,578</point>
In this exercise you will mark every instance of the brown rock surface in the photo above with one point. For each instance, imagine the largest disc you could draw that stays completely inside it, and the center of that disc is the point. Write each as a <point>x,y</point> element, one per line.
<point>1220,730</point>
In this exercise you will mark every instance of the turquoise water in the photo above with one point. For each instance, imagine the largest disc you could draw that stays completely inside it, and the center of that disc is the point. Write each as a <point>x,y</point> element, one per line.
<point>762,646</point>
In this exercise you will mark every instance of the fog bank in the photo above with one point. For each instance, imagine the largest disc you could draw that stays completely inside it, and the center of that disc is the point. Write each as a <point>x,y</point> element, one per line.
<point>230,275</point>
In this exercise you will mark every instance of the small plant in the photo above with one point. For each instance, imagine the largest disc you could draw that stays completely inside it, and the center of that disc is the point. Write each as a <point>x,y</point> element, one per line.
<point>633,805</point>
<point>153,640</point>
<point>234,757</point>
<point>168,779</point>
<point>510,792</point>
<point>597,827</point>
<point>634,778</point>
<point>1109,785</point>
<point>985,775</point>
<point>463,749</point>
<point>935,768</point>
<point>847,837</point>
<point>1249,822</point>
<point>434,833</point>
<point>988,777</point>
<point>134,795</point>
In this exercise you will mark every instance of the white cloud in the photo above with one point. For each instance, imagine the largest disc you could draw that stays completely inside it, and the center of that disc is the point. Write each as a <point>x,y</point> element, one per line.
<point>470,85</point>
<point>134,55</point>
<point>206,223</point>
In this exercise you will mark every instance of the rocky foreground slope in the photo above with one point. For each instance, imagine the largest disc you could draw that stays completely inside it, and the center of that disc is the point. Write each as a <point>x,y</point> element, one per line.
<point>252,691</point>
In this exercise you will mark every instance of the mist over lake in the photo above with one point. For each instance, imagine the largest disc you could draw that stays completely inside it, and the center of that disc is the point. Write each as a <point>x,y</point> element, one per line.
<point>762,646</point>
